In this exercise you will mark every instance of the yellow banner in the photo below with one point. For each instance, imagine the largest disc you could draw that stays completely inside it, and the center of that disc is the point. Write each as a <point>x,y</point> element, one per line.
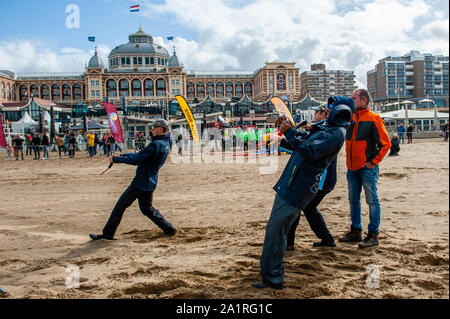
<point>189,118</point>
<point>282,109</point>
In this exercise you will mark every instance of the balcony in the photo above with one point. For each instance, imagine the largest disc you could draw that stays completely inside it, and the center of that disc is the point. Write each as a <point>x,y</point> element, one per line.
<point>438,73</point>
<point>409,67</point>
<point>410,87</point>
<point>409,73</point>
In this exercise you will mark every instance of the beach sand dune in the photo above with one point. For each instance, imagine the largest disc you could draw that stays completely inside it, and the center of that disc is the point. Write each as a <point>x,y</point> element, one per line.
<point>48,208</point>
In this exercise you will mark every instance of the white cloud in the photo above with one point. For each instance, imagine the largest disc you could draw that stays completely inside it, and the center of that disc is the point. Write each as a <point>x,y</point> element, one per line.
<point>241,35</point>
<point>31,56</point>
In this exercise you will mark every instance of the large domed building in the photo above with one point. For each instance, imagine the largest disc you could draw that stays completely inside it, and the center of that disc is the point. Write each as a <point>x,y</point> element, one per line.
<point>149,78</point>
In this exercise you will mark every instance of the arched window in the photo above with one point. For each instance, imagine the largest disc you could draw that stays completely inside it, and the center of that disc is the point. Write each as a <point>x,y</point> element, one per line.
<point>229,89</point>
<point>219,89</point>
<point>239,89</point>
<point>124,87</point>
<point>122,61</point>
<point>149,88</point>
<point>147,60</point>
<point>190,90</point>
<point>200,90</point>
<point>23,93</point>
<point>152,61</point>
<point>210,88</point>
<point>281,79</point>
<point>135,60</point>
<point>34,90</point>
<point>77,94</point>
<point>111,88</point>
<point>136,87</point>
<point>8,91</point>
<point>56,92</point>
<point>2,90</point>
<point>248,88</point>
<point>160,87</point>
<point>140,60</point>
<point>45,92</point>
<point>66,92</point>
<point>14,92</point>
<point>128,61</point>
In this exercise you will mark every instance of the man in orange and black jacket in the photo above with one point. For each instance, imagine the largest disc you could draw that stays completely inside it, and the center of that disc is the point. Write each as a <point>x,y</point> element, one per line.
<point>366,144</point>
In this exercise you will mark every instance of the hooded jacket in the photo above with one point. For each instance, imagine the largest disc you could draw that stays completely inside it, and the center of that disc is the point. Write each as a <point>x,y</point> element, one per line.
<point>148,162</point>
<point>313,153</point>
<point>366,140</point>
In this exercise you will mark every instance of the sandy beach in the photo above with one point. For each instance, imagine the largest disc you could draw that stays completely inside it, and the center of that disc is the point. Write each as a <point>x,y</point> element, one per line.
<point>48,208</point>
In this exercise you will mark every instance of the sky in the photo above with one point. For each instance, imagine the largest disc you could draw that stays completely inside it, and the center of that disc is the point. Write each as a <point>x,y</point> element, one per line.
<point>223,35</point>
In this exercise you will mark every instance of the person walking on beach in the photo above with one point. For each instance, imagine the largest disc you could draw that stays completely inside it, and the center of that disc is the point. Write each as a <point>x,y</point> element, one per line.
<point>60,144</point>
<point>45,145</point>
<point>18,146</point>
<point>148,163</point>
<point>445,129</point>
<point>90,139</point>
<point>409,133</point>
<point>401,133</point>
<point>367,142</point>
<point>298,185</point>
<point>36,143</point>
<point>72,145</point>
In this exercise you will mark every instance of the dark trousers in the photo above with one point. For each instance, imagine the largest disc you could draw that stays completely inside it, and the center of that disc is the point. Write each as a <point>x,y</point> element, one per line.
<point>409,136</point>
<point>59,150</point>
<point>145,204</point>
<point>19,149</point>
<point>315,220</point>
<point>37,151</point>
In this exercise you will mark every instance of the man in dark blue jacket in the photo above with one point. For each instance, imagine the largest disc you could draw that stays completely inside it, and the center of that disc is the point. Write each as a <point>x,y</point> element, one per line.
<point>148,162</point>
<point>297,186</point>
<point>327,183</point>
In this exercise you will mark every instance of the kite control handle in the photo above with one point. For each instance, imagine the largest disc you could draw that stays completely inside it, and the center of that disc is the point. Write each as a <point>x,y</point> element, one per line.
<point>110,165</point>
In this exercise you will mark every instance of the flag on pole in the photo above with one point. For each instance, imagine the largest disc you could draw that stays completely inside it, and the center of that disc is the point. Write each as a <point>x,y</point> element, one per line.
<point>2,134</point>
<point>189,118</point>
<point>170,38</point>
<point>135,8</point>
<point>92,39</point>
<point>114,123</point>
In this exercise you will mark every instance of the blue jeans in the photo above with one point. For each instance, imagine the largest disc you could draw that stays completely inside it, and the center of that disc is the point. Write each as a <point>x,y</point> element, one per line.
<point>401,138</point>
<point>275,242</point>
<point>364,178</point>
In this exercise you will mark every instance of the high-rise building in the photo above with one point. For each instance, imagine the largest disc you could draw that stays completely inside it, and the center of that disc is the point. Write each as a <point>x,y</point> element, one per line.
<point>321,83</point>
<point>413,76</point>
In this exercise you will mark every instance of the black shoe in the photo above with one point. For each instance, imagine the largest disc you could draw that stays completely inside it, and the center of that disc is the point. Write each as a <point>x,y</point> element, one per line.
<point>370,240</point>
<point>99,237</point>
<point>263,285</point>
<point>324,244</point>
<point>171,232</point>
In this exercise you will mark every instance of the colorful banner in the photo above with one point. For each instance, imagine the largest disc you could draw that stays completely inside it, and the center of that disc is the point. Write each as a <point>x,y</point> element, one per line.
<point>189,118</point>
<point>2,134</point>
<point>114,122</point>
<point>282,109</point>
<point>135,8</point>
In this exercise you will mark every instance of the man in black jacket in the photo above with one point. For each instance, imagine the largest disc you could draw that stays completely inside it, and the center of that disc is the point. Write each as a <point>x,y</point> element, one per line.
<point>36,143</point>
<point>148,163</point>
<point>18,146</point>
<point>297,186</point>
<point>327,183</point>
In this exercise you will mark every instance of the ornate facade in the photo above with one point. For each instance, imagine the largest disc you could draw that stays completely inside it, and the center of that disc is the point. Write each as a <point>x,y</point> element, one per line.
<point>146,75</point>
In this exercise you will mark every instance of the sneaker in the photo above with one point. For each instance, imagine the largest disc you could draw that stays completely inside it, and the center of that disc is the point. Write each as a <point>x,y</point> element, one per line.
<point>264,284</point>
<point>99,237</point>
<point>353,236</point>
<point>370,240</point>
<point>171,232</point>
<point>324,244</point>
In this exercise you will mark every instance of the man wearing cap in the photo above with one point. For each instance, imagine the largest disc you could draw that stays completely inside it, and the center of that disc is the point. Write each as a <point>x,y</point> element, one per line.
<point>148,163</point>
<point>327,182</point>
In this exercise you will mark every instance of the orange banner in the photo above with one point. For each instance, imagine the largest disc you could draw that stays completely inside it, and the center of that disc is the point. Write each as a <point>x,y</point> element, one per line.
<point>282,109</point>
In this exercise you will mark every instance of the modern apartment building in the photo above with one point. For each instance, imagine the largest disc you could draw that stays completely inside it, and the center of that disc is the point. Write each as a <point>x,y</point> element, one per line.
<point>413,76</point>
<point>321,83</point>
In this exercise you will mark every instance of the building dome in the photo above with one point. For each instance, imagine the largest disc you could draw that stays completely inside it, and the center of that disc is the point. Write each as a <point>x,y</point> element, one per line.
<point>173,62</point>
<point>139,42</point>
<point>96,61</point>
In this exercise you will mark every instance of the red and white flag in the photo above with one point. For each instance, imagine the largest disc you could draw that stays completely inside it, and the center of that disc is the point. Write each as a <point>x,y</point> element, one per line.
<point>114,123</point>
<point>2,134</point>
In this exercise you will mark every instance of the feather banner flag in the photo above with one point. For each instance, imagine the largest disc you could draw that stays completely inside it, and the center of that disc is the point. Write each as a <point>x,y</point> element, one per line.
<point>2,134</point>
<point>114,122</point>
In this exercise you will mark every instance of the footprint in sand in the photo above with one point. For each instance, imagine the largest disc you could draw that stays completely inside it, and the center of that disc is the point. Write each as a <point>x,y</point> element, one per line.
<point>154,288</point>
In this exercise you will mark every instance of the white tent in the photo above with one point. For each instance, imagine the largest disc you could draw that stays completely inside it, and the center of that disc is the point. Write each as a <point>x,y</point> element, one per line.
<point>25,122</point>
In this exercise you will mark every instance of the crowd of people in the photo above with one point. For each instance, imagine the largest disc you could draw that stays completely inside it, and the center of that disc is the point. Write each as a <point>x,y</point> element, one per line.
<point>67,144</point>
